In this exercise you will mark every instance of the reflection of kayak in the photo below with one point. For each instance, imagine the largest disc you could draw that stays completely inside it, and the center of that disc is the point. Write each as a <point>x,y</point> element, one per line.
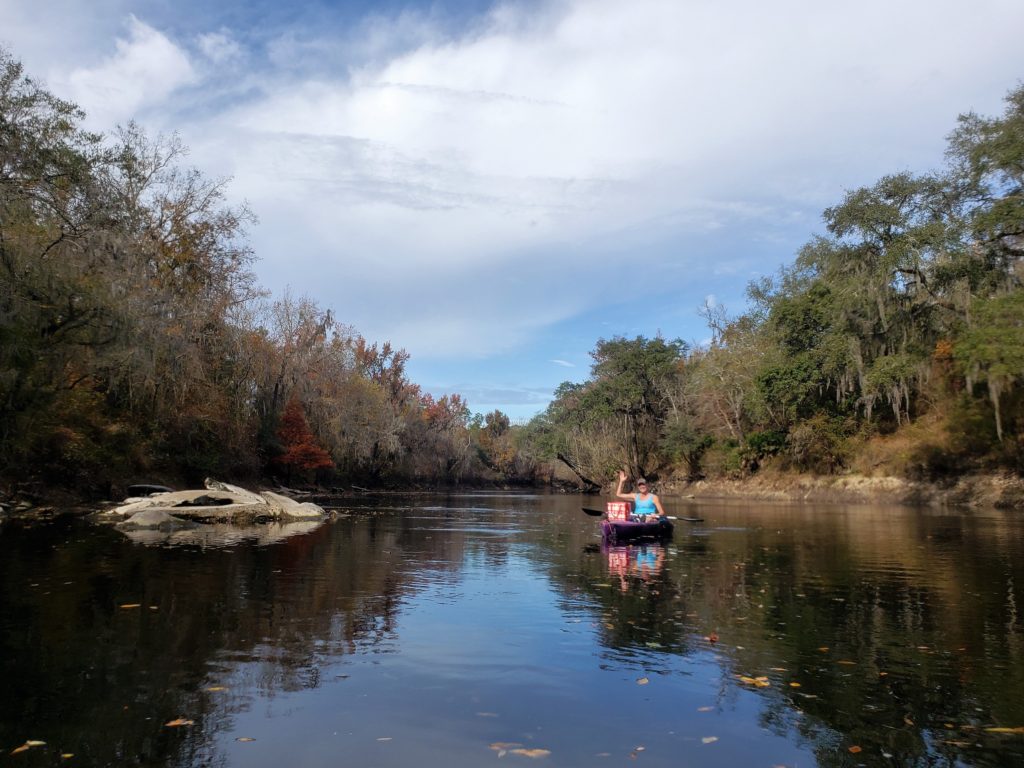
<point>628,530</point>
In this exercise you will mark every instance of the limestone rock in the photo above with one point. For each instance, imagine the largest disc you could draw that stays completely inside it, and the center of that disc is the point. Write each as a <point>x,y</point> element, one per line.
<point>290,509</point>
<point>220,501</point>
<point>242,494</point>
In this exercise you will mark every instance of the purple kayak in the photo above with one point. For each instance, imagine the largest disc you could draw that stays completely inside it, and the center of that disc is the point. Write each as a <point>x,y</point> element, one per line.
<point>630,530</point>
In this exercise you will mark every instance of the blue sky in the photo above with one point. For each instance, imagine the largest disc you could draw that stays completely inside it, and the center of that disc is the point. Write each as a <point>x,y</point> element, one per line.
<point>495,186</point>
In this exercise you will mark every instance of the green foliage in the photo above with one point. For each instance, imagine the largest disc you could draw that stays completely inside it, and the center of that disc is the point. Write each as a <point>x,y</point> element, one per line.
<point>617,417</point>
<point>992,348</point>
<point>792,388</point>
<point>761,445</point>
<point>133,336</point>
<point>682,442</point>
<point>819,444</point>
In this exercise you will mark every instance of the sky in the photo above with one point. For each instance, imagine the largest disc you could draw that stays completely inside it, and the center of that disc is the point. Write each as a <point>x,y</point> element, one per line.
<point>495,186</point>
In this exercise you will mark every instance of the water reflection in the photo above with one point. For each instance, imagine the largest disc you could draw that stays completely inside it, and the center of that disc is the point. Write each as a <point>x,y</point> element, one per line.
<point>424,630</point>
<point>636,562</point>
<point>223,534</point>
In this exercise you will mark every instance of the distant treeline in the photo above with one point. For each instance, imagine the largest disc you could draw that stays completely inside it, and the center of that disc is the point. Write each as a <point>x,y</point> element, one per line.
<point>135,343</point>
<point>895,341</point>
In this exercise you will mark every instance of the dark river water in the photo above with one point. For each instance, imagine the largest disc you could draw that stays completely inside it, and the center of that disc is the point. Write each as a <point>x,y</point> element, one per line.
<point>490,629</point>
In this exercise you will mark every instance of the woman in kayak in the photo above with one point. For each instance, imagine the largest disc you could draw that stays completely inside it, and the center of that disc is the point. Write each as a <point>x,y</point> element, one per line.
<point>644,504</point>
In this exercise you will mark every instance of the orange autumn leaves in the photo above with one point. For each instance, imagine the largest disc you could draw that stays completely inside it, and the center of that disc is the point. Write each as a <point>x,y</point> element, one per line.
<point>513,748</point>
<point>301,450</point>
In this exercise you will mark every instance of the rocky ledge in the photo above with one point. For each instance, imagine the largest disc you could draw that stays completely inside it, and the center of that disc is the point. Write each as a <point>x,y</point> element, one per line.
<point>218,502</point>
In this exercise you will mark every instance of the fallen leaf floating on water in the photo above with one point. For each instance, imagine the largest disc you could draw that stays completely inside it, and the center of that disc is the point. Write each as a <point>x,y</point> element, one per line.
<point>847,662</point>
<point>824,649</point>
<point>642,681</point>
<point>132,605</point>
<point>27,746</point>
<point>385,738</point>
<point>1018,729</point>
<point>757,682</point>
<point>705,709</point>
<point>709,739</point>
<point>179,722</point>
<point>794,685</point>
<point>907,720</point>
<point>500,746</point>
<point>855,749</point>
<point>67,755</point>
<point>712,638</point>
<point>534,753</point>
<point>215,688</point>
<point>245,739</point>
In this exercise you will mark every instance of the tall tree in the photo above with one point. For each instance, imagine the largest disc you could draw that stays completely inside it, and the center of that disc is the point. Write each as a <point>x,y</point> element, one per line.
<point>300,450</point>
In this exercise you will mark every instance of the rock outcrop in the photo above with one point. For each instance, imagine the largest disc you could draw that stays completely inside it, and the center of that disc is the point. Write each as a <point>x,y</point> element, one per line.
<point>220,502</point>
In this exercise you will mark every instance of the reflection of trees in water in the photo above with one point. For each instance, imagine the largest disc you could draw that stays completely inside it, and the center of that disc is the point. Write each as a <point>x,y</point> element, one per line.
<point>900,630</point>
<point>897,594</point>
<point>102,680</point>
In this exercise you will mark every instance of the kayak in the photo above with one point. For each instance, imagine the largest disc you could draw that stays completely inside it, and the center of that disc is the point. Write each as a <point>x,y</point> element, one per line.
<point>630,530</point>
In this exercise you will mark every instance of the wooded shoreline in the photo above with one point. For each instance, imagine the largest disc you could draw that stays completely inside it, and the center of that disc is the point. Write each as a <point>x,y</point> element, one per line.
<point>1001,491</point>
<point>887,361</point>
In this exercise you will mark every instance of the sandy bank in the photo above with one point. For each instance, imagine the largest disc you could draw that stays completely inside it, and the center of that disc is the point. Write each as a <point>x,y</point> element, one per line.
<point>1002,491</point>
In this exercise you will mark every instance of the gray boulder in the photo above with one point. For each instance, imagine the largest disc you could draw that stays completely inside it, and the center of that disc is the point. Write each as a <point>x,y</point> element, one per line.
<point>221,501</point>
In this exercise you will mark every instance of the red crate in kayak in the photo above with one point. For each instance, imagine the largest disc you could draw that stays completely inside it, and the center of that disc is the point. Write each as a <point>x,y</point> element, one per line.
<point>617,510</point>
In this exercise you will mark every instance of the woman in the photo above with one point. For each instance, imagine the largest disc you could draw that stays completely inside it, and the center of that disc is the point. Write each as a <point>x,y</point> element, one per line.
<point>644,504</point>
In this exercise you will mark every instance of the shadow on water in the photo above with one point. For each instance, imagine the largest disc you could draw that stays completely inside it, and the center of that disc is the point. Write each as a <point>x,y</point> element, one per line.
<point>451,630</point>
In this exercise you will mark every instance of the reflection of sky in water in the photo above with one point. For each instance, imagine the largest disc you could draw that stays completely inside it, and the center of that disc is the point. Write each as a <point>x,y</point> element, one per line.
<point>495,656</point>
<point>427,632</point>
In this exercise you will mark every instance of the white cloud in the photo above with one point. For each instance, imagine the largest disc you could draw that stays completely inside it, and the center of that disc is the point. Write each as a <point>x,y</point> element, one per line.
<point>464,191</point>
<point>219,47</point>
<point>145,69</point>
<point>563,363</point>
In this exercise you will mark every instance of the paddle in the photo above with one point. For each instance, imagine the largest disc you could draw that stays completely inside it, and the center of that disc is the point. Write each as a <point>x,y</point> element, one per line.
<point>600,513</point>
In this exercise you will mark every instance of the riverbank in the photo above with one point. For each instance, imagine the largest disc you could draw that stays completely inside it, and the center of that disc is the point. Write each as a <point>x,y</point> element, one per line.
<point>1000,491</point>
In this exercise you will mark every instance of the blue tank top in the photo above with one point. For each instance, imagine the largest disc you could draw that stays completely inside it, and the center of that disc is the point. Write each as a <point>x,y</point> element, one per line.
<point>644,506</point>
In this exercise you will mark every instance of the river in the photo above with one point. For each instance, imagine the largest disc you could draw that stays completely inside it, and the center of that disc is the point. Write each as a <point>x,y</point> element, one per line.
<point>494,629</point>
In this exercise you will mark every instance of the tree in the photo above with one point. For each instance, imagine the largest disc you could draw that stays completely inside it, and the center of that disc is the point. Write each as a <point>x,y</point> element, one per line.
<point>992,349</point>
<point>300,448</point>
<point>632,379</point>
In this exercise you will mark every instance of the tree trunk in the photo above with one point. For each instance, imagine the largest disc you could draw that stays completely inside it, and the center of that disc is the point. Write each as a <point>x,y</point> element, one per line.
<point>589,485</point>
